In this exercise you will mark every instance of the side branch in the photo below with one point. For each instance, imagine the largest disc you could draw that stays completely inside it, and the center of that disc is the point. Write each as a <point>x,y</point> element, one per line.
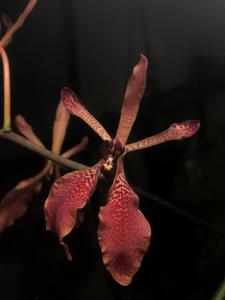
<point>72,165</point>
<point>20,140</point>
<point>5,40</point>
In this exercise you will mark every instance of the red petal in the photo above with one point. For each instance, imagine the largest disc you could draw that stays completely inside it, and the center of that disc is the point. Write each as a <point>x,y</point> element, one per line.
<point>25,129</point>
<point>134,92</point>
<point>123,233</point>
<point>176,131</point>
<point>15,202</point>
<point>75,107</point>
<point>68,194</point>
<point>59,128</point>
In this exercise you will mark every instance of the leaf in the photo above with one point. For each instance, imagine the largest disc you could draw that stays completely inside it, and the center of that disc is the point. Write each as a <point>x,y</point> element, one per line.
<point>75,107</point>
<point>176,131</point>
<point>15,203</point>
<point>134,92</point>
<point>69,194</point>
<point>123,233</point>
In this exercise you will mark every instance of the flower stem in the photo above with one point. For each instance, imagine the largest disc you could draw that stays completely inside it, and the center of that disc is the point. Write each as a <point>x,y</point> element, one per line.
<point>6,39</point>
<point>7,92</point>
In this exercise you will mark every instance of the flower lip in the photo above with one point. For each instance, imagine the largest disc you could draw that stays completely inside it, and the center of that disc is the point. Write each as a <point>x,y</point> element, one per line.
<point>110,151</point>
<point>111,148</point>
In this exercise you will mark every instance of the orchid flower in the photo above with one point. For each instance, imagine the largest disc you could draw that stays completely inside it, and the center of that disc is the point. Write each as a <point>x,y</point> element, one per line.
<point>123,232</point>
<point>14,204</point>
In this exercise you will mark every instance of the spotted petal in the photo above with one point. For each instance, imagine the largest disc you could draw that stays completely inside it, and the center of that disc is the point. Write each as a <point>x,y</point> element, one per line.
<point>68,194</point>
<point>123,232</point>
<point>75,107</point>
<point>134,92</point>
<point>176,131</point>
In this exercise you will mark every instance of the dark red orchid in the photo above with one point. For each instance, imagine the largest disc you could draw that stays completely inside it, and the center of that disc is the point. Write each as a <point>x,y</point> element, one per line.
<point>15,203</point>
<point>123,233</point>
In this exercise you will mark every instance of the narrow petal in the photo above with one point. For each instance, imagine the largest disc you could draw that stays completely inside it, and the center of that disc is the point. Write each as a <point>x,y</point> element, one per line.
<point>176,131</point>
<point>123,233</point>
<point>72,151</point>
<point>75,107</point>
<point>68,194</point>
<point>59,128</point>
<point>134,92</point>
<point>15,202</point>
<point>76,149</point>
<point>25,129</point>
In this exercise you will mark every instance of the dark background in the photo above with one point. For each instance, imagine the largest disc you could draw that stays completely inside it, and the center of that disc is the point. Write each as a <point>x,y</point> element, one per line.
<point>92,47</point>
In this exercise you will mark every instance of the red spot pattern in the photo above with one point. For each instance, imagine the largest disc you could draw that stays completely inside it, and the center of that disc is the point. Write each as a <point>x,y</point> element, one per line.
<point>124,233</point>
<point>74,106</point>
<point>68,194</point>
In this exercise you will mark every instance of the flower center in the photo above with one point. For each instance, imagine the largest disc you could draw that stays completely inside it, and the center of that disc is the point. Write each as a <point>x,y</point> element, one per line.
<point>110,151</point>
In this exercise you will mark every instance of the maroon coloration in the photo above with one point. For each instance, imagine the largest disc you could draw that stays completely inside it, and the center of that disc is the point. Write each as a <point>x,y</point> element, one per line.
<point>68,194</point>
<point>15,202</point>
<point>110,151</point>
<point>185,129</point>
<point>132,98</point>
<point>25,129</point>
<point>124,233</point>
<point>75,107</point>
<point>176,131</point>
<point>112,147</point>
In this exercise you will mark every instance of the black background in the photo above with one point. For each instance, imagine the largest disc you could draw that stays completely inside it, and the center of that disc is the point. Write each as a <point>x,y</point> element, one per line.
<point>92,47</point>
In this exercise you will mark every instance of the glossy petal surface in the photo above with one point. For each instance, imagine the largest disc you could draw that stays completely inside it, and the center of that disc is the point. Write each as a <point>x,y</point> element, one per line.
<point>75,107</point>
<point>134,92</point>
<point>68,194</point>
<point>123,233</point>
